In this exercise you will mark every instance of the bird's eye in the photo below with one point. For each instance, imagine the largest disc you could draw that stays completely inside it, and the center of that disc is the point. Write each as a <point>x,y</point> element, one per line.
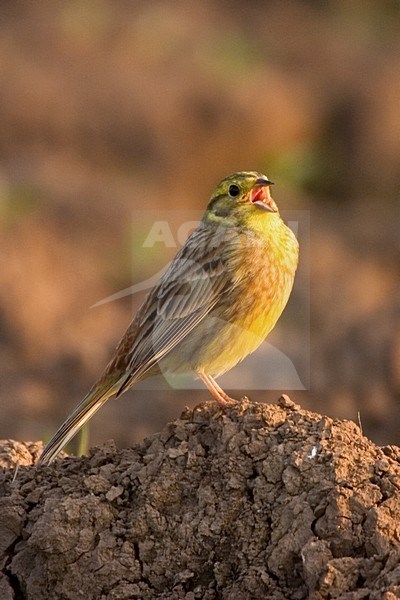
<point>234,190</point>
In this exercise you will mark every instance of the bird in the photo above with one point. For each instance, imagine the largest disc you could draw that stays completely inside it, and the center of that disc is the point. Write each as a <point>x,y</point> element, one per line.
<point>215,304</point>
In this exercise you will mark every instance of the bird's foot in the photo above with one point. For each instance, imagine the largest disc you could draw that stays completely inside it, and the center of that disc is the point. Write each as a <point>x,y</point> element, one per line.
<point>218,393</point>
<point>225,400</point>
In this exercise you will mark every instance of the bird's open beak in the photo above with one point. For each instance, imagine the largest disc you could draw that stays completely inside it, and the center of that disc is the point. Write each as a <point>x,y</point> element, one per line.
<point>261,196</point>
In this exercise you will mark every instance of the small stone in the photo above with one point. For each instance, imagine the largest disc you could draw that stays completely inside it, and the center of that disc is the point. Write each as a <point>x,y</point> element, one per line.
<point>285,402</point>
<point>114,492</point>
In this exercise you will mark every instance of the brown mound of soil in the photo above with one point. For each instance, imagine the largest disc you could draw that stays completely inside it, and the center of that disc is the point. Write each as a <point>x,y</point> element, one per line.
<point>259,501</point>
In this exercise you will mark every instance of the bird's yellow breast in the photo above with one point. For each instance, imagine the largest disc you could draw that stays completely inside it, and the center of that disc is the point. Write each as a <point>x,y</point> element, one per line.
<point>265,266</point>
<point>268,267</point>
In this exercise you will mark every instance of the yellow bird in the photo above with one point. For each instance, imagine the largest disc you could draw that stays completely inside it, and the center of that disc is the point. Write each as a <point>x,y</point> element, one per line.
<point>218,300</point>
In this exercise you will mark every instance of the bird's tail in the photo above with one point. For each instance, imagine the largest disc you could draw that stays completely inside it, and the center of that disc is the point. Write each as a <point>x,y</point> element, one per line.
<point>90,404</point>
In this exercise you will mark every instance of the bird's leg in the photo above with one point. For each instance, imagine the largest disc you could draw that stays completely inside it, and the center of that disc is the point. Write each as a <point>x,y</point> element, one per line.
<point>218,393</point>
<point>223,394</point>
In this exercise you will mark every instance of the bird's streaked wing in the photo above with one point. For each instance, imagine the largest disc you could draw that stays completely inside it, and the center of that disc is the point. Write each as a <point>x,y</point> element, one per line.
<point>199,276</point>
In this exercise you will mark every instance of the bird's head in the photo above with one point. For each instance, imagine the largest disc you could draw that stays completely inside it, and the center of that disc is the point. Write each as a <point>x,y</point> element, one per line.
<point>240,196</point>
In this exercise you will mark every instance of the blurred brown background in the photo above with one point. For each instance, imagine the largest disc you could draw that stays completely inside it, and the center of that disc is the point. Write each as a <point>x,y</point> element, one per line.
<point>110,107</point>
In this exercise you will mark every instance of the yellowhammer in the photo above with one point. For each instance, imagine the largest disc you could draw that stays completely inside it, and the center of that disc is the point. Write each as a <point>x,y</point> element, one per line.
<point>220,297</point>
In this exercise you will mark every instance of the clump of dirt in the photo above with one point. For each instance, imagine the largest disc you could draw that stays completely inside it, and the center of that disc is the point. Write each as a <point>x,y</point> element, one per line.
<point>257,501</point>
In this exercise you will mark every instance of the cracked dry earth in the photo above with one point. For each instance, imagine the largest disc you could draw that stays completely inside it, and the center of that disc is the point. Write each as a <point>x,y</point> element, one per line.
<point>260,501</point>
